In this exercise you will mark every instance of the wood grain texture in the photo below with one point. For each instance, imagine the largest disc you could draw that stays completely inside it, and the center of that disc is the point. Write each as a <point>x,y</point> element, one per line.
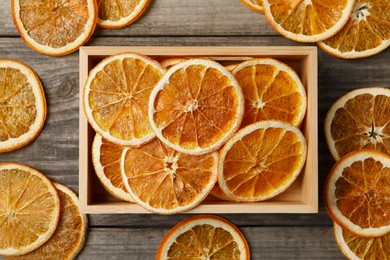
<point>179,18</point>
<point>188,23</point>
<point>264,243</point>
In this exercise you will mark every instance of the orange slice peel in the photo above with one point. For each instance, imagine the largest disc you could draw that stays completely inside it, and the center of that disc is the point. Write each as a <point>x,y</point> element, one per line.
<point>196,107</point>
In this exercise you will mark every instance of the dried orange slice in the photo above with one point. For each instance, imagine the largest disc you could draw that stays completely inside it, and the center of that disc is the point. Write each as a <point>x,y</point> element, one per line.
<point>106,158</point>
<point>355,247</point>
<point>231,67</point>
<point>204,237</point>
<point>218,193</point>
<point>309,20</point>
<point>114,14</point>
<point>255,5</point>
<point>272,90</point>
<point>170,62</point>
<point>22,105</point>
<point>55,28</point>
<point>116,97</point>
<point>359,119</point>
<point>196,107</point>
<point>165,181</point>
<point>261,160</point>
<point>29,209</point>
<point>366,33</point>
<point>357,191</point>
<point>69,237</point>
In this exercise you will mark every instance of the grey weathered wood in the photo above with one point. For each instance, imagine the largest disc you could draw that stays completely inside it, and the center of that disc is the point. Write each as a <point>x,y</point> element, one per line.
<point>264,243</point>
<point>177,22</point>
<point>179,18</point>
<point>55,151</point>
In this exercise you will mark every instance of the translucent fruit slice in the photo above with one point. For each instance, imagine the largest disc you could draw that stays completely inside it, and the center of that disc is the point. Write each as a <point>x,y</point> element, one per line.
<point>218,193</point>
<point>170,62</point>
<point>165,181</point>
<point>106,158</point>
<point>272,90</point>
<point>55,28</point>
<point>29,209</point>
<point>357,191</point>
<point>364,248</point>
<point>69,237</point>
<point>255,5</point>
<point>196,107</point>
<point>366,33</point>
<point>114,14</point>
<point>22,105</point>
<point>308,20</point>
<point>261,160</point>
<point>204,237</point>
<point>116,97</point>
<point>359,119</point>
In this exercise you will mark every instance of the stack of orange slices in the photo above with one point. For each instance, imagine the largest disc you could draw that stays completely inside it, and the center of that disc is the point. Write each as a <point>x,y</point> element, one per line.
<point>165,139</point>
<point>37,216</point>
<point>357,188</point>
<point>345,29</point>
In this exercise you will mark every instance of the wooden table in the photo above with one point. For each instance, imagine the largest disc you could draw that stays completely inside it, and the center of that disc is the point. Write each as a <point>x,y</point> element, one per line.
<point>178,22</point>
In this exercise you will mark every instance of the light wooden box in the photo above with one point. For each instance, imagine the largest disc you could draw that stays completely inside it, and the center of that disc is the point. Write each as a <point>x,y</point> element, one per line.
<point>300,197</point>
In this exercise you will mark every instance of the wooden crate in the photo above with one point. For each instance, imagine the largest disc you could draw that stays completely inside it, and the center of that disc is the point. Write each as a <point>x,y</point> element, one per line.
<point>300,197</point>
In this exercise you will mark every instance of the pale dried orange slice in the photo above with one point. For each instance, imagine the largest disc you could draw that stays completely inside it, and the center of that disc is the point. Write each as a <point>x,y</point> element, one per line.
<point>364,248</point>
<point>69,237</point>
<point>309,20</point>
<point>165,181</point>
<point>204,237</point>
<point>106,158</point>
<point>29,209</point>
<point>114,14</point>
<point>231,67</point>
<point>261,160</point>
<point>196,107</point>
<point>55,28</point>
<point>116,96</point>
<point>170,62</point>
<point>22,105</point>
<point>357,191</point>
<point>255,5</point>
<point>366,33</point>
<point>272,90</point>
<point>218,193</point>
<point>359,119</point>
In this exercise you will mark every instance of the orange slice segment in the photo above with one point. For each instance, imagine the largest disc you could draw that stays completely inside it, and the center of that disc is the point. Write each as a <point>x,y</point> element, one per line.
<point>22,105</point>
<point>69,237</point>
<point>55,27</point>
<point>204,237</point>
<point>366,33</point>
<point>196,106</point>
<point>218,193</point>
<point>114,14</point>
<point>116,97</point>
<point>255,5</point>
<point>165,181</point>
<point>357,191</point>
<point>355,247</point>
<point>359,119</point>
<point>308,20</point>
<point>261,160</point>
<point>272,90</point>
<point>170,62</point>
<point>29,209</point>
<point>106,158</point>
